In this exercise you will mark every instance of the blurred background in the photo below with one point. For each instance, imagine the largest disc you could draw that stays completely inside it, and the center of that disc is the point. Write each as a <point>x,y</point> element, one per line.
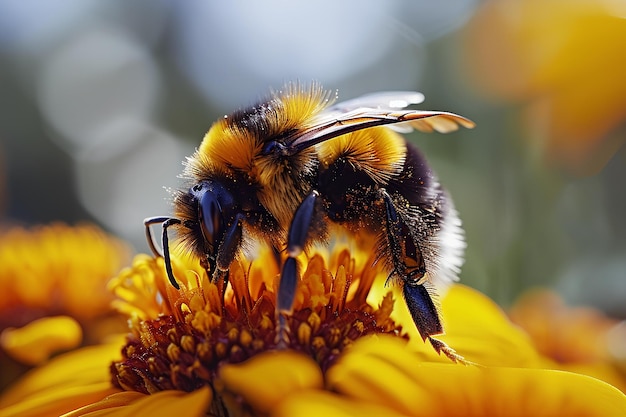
<point>101,101</point>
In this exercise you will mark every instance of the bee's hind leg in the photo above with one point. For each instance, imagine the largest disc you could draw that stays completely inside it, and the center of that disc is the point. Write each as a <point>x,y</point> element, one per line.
<point>408,265</point>
<point>426,318</point>
<point>298,235</point>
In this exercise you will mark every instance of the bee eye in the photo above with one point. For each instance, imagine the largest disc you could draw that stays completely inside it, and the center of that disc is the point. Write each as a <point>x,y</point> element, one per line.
<point>210,217</point>
<point>273,147</point>
<point>215,207</point>
<point>209,212</point>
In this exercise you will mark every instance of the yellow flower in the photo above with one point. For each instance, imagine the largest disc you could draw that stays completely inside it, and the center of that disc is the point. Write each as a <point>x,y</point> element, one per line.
<point>64,383</point>
<point>377,377</point>
<point>180,338</point>
<point>58,269</point>
<point>79,383</point>
<point>477,328</point>
<point>347,354</point>
<point>578,339</point>
<point>563,58</point>
<point>53,288</point>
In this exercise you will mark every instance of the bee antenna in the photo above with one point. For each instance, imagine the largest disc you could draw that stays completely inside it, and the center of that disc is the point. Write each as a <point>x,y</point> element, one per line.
<point>165,223</point>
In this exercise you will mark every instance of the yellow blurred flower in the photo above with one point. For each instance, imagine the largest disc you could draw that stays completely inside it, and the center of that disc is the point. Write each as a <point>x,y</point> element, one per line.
<point>51,269</point>
<point>53,288</point>
<point>563,58</point>
<point>577,339</point>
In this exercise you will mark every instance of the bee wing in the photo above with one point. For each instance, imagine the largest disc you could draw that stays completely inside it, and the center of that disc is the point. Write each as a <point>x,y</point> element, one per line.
<point>382,100</point>
<point>385,100</point>
<point>334,122</point>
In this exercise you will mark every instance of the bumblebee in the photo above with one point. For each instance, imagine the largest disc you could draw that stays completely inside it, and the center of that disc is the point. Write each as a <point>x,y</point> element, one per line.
<point>289,169</point>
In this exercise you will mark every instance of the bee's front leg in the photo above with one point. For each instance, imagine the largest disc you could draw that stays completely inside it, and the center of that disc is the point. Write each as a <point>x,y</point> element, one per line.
<point>297,238</point>
<point>226,253</point>
<point>165,223</point>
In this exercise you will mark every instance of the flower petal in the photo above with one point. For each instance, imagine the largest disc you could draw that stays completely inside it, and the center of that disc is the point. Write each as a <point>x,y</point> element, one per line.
<point>479,329</point>
<point>81,368</point>
<point>475,327</point>
<point>455,391</point>
<point>267,378</point>
<point>382,371</point>
<point>55,402</point>
<point>378,370</point>
<point>313,403</point>
<point>164,403</point>
<point>38,340</point>
<point>118,399</point>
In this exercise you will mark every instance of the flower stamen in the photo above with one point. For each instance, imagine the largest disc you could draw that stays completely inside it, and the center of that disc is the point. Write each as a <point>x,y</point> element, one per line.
<point>179,339</point>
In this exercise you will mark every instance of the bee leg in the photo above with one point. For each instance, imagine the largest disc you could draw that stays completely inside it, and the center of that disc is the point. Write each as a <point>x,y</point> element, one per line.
<point>149,222</point>
<point>296,241</point>
<point>426,318</point>
<point>226,253</point>
<point>284,302</point>
<point>165,223</point>
<point>276,252</point>
<point>220,279</point>
<point>230,244</point>
<point>423,309</point>
<point>406,256</point>
<point>408,264</point>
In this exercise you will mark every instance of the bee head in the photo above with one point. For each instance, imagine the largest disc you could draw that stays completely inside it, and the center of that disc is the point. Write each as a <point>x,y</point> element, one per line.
<point>208,211</point>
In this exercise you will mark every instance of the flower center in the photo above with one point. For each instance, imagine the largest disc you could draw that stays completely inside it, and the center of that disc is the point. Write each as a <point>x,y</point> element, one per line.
<point>178,340</point>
